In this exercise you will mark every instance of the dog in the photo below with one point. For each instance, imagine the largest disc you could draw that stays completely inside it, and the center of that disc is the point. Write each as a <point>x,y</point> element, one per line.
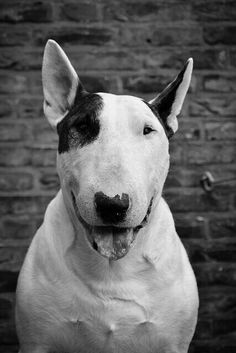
<point>106,272</point>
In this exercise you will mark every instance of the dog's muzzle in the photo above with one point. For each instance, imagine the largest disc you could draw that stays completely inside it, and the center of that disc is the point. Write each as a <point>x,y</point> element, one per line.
<point>111,241</point>
<point>112,210</point>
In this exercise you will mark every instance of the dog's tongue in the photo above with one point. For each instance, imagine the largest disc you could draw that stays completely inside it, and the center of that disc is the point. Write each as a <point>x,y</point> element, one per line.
<point>113,243</point>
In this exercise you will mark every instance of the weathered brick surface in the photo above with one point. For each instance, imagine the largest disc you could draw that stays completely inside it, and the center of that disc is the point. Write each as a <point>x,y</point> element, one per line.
<point>132,47</point>
<point>18,11</point>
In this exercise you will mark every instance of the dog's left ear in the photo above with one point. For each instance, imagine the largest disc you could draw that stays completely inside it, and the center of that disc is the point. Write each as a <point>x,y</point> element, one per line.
<point>169,102</point>
<point>60,83</point>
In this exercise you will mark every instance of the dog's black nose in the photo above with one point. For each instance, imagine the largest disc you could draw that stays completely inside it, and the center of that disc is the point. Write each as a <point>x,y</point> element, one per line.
<point>111,209</point>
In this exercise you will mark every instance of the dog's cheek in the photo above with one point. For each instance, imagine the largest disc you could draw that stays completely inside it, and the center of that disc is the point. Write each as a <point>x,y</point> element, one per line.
<point>66,172</point>
<point>158,168</point>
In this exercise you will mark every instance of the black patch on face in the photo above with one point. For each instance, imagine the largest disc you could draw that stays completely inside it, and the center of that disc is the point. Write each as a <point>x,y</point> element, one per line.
<point>162,105</point>
<point>169,132</point>
<point>81,125</point>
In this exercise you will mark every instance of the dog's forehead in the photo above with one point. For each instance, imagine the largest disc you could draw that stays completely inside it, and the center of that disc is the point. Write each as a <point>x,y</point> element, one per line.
<point>123,105</point>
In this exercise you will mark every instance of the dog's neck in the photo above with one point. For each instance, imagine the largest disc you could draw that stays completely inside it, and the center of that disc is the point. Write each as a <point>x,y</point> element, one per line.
<point>91,266</point>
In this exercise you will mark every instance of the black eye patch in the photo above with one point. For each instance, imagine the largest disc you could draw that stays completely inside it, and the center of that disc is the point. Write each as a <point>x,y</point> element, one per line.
<point>81,125</point>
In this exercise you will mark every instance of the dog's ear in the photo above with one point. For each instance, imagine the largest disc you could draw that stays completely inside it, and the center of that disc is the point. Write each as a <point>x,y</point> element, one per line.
<point>60,83</point>
<point>169,102</point>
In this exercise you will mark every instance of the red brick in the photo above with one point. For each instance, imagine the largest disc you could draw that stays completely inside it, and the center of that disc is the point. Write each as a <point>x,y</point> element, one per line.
<point>7,306</point>
<point>9,348</point>
<point>180,176</point>
<point>149,35</point>
<point>203,329</point>
<point>190,176</point>
<point>29,107</point>
<point>220,35</point>
<point>146,84</point>
<point>222,227</point>
<point>8,281</point>
<point>215,274</point>
<point>213,107</point>
<point>13,131</point>
<point>100,83</point>
<point>8,332</point>
<point>150,83</point>
<point>17,230</point>
<point>221,131</point>
<point>220,83</point>
<point>224,326</point>
<point>225,344</point>
<point>6,109</point>
<point>147,11</point>
<point>15,83</point>
<point>13,36</point>
<point>208,59</point>
<point>11,261</point>
<point>43,134</point>
<point>49,180</point>
<point>210,154</point>
<point>18,156</point>
<point>190,226</point>
<point>15,181</point>
<point>213,346</point>
<point>217,10</point>
<point>83,11</point>
<point>233,57</point>
<point>20,82</point>
<point>106,59</point>
<point>188,131</point>
<point>79,35</point>
<point>43,157</point>
<point>24,205</point>
<point>14,156</point>
<point>176,153</point>
<point>205,251</point>
<point>217,302</point>
<point>18,11</point>
<point>188,200</point>
<point>24,59</point>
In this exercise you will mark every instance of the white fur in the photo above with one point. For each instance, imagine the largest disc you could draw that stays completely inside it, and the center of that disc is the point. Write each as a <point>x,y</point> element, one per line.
<point>56,99</point>
<point>71,299</point>
<point>181,92</point>
<point>180,95</point>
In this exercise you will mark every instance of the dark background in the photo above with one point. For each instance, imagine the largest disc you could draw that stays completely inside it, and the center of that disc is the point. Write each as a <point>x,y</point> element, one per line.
<point>132,47</point>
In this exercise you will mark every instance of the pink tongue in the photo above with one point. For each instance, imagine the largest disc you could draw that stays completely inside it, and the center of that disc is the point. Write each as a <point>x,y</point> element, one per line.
<point>112,242</point>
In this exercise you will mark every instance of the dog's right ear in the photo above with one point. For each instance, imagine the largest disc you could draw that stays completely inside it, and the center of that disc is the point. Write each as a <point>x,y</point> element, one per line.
<point>60,83</point>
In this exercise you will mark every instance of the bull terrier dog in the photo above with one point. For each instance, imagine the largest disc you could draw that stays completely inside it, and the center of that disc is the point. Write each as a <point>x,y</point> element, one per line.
<point>106,272</point>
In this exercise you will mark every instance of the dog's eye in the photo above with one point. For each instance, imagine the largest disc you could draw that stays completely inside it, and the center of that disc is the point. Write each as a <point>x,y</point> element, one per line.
<point>82,127</point>
<point>147,130</point>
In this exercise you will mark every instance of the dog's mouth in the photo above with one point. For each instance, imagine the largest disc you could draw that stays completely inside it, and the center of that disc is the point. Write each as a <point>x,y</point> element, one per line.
<point>111,242</point>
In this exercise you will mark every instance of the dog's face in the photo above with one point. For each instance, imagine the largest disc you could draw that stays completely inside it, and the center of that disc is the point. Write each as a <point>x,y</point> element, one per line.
<point>113,151</point>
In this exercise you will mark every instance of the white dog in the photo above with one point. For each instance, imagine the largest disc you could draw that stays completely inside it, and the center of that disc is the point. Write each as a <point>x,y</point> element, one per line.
<point>106,272</point>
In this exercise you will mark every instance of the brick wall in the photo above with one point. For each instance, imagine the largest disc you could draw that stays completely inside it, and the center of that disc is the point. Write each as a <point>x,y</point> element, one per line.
<point>133,47</point>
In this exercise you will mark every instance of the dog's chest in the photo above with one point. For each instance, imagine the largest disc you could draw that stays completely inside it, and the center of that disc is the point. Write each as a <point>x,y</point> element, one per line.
<point>112,323</point>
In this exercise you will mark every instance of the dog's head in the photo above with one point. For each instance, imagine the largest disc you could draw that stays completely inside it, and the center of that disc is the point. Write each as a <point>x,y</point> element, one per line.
<point>113,154</point>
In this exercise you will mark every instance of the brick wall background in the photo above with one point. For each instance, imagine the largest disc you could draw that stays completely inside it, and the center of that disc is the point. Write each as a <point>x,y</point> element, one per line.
<point>133,47</point>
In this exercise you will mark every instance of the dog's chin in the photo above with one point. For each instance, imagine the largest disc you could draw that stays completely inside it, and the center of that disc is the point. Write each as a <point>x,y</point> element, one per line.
<point>110,242</point>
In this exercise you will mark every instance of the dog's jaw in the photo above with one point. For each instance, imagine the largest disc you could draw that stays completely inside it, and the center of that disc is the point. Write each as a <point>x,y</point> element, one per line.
<point>111,242</point>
